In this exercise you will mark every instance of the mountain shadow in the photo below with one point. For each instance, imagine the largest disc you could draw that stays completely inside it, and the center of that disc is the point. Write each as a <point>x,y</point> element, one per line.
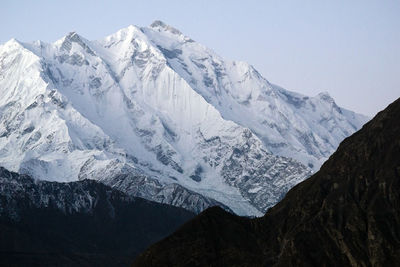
<point>347,214</point>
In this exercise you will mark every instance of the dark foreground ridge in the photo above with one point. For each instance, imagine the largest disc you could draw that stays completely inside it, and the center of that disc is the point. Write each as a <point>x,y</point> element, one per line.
<point>77,224</point>
<point>347,214</point>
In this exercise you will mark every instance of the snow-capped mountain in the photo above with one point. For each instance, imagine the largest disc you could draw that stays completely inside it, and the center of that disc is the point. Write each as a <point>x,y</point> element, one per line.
<point>157,115</point>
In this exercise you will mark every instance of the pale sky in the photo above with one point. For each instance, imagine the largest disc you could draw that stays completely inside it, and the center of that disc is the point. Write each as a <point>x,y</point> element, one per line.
<point>350,49</point>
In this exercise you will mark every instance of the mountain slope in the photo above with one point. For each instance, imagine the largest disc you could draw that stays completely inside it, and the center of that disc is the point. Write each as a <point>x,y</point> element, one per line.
<point>157,115</point>
<point>308,129</point>
<point>81,223</point>
<point>347,214</point>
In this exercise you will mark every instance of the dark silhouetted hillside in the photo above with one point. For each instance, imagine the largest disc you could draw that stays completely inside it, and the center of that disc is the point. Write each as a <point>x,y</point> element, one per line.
<point>77,224</point>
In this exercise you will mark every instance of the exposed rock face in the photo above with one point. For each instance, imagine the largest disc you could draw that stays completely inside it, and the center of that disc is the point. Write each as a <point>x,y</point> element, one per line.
<point>347,214</point>
<point>81,223</point>
<point>172,194</point>
<point>153,106</point>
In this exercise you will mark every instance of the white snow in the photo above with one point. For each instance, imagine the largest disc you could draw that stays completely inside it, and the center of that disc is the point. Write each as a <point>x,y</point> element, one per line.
<point>153,100</point>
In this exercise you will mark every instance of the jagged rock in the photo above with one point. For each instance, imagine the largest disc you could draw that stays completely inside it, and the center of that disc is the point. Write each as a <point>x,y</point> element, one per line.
<point>153,102</point>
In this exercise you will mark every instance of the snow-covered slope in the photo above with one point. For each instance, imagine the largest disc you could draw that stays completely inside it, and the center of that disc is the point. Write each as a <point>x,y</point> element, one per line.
<point>308,129</point>
<point>157,115</point>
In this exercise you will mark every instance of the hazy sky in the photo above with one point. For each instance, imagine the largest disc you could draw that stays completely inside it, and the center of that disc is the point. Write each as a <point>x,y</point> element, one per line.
<point>350,49</point>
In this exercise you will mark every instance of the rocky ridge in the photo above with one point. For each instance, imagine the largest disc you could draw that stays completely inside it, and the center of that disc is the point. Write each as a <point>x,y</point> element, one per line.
<point>83,223</point>
<point>151,107</point>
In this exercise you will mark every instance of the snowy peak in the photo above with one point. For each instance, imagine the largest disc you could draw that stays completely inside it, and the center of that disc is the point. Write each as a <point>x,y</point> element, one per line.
<point>125,34</point>
<point>12,43</point>
<point>73,43</point>
<point>159,29</point>
<point>14,46</point>
<point>325,96</point>
<point>157,115</point>
<point>158,25</point>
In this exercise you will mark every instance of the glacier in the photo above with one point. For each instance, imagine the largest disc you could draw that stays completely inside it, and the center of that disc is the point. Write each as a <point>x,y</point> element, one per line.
<point>153,113</point>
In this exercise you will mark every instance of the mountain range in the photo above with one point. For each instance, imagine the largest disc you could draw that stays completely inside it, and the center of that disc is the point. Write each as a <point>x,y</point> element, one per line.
<point>154,114</point>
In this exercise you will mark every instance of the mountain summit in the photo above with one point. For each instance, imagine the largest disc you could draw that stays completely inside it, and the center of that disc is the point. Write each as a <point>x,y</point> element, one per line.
<point>159,25</point>
<point>157,115</point>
